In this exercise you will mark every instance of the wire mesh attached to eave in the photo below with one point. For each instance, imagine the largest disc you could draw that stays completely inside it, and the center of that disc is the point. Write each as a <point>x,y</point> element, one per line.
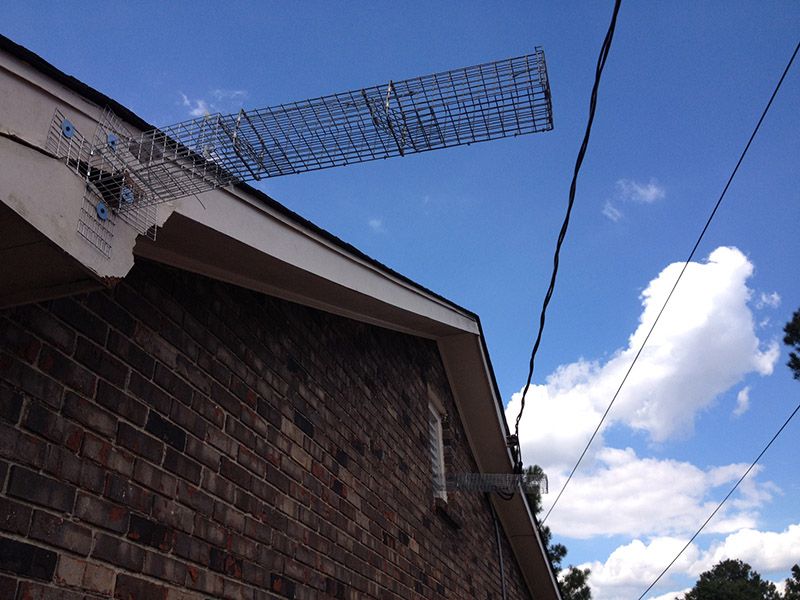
<point>132,172</point>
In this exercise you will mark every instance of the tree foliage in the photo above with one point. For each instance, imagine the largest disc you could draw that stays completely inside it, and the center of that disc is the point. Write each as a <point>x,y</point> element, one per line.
<point>792,591</point>
<point>574,582</point>
<point>792,339</point>
<point>732,580</point>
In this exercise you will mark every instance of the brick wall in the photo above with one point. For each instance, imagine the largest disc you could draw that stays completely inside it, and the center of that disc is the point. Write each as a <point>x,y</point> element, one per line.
<point>179,438</point>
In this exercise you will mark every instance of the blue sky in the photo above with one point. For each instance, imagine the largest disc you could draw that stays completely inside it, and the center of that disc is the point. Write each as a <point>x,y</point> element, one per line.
<point>684,85</point>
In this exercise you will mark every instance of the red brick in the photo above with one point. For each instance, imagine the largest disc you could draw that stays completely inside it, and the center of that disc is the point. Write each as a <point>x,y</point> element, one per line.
<point>10,405</point>
<point>55,531</point>
<point>37,489</point>
<point>209,410</point>
<point>44,325</point>
<point>117,552</point>
<point>19,342</point>
<point>100,362</point>
<point>173,514</point>
<point>131,354</point>
<point>29,590</point>
<point>102,513</point>
<point>8,587</point>
<point>155,479</point>
<point>192,548</point>
<point>120,403</point>
<point>282,585</point>
<point>225,399</point>
<point>14,517</point>
<point>195,498</point>
<point>172,383</point>
<point>48,424</point>
<point>30,381</point>
<point>133,588</point>
<point>104,453</point>
<point>233,472</point>
<point>189,420</point>
<point>149,393</point>
<point>26,560</point>
<point>165,568</point>
<point>78,573</point>
<point>104,306</point>
<point>182,466</point>
<point>140,443</point>
<point>202,452</point>
<point>89,414</point>
<point>150,533</point>
<point>210,532</point>
<point>205,581</point>
<point>80,319</point>
<point>123,491</point>
<point>67,371</point>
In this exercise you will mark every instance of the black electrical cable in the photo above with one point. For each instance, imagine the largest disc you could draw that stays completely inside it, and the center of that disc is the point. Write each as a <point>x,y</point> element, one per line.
<point>601,62</point>
<point>680,275</point>
<point>714,512</point>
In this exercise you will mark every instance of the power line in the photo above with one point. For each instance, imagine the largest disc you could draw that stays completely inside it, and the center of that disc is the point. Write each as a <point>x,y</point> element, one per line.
<point>601,62</point>
<point>714,512</point>
<point>680,275</point>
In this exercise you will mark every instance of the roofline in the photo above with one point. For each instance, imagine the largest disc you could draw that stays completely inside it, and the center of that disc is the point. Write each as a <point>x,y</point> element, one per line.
<point>88,92</point>
<point>476,349</point>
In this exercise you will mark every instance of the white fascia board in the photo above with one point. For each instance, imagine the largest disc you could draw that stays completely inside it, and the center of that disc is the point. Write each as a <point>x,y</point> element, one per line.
<point>232,213</point>
<point>471,382</point>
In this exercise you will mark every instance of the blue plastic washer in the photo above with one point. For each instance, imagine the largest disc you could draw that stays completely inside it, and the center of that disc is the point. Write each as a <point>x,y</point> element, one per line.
<point>67,128</point>
<point>126,194</point>
<point>102,211</point>
<point>111,140</point>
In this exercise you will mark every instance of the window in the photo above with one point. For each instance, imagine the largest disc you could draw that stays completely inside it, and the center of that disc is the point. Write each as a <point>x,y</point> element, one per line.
<point>436,446</point>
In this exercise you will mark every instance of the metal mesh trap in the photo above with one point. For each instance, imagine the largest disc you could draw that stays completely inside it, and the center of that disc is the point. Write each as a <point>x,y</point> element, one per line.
<point>131,173</point>
<point>463,106</point>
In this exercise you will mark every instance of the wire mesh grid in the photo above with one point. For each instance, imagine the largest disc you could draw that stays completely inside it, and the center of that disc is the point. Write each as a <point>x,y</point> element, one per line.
<point>67,143</point>
<point>494,482</point>
<point>133,172</point>
<point>463,106</point>
<point>116,174</point>
<point>99,233</point>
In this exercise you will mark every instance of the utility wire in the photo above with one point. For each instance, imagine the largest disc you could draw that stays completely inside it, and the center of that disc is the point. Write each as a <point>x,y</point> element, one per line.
<point>714,512</point>
<point>601,62</point>
<point>680,275</point>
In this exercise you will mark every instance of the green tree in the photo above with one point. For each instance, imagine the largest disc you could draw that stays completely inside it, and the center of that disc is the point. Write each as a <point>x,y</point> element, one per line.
<point>732,580</point>
<point>792,339</point>
<point>792,591</point>
<point>574,583</point>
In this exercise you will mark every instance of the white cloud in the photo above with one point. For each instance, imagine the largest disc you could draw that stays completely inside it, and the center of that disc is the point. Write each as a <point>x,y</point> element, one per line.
<point>197,108</point>
<point>630,568</point>
<point>742,402</point>
<point>762,550</point>
<point>772,300</point>
<point>676,595</point>
<point>625,494</point>
<point>376,225</point>
<point>228,95</point>
<point>223,101</point>
<point>704,343</point>
<point>611,211</point>
<point>646,193</point>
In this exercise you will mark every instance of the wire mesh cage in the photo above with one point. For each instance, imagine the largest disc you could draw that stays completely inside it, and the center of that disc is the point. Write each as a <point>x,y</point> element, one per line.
<point>131,173</point>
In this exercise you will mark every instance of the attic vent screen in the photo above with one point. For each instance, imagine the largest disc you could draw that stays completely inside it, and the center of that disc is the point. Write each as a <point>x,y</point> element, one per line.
<point>436,446</point>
